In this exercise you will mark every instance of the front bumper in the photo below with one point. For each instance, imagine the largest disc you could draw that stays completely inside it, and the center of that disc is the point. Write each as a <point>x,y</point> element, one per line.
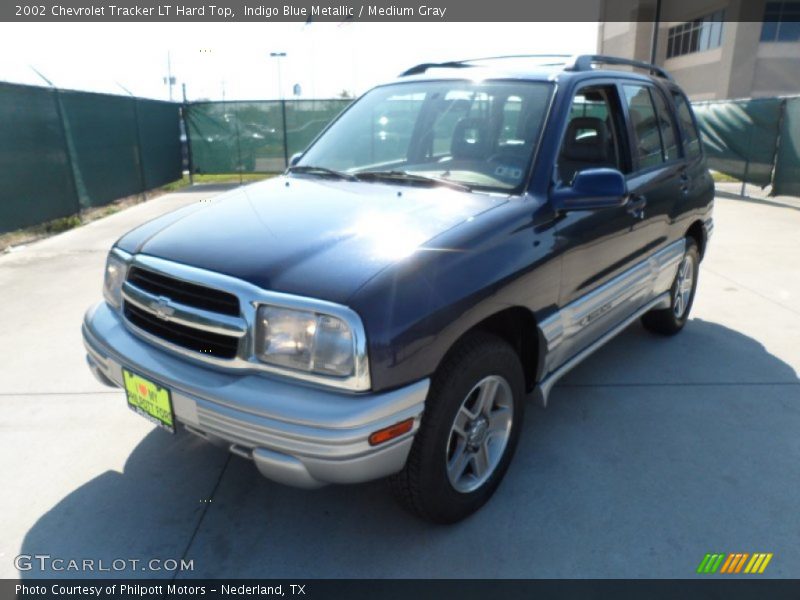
<point>295,434</point>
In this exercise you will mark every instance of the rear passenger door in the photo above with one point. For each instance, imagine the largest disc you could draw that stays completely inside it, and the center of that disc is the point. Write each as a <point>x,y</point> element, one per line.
<point>699,187</point>
<point>658,180</point>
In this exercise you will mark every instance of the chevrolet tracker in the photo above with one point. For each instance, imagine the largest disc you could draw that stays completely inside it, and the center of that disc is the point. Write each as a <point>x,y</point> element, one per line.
<point>454,242</point>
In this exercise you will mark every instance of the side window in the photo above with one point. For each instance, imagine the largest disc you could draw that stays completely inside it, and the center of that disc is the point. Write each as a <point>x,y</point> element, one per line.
<point>691,141</point>
<point>647,138</point>
<point>592,137</point>
<point>665,123</point>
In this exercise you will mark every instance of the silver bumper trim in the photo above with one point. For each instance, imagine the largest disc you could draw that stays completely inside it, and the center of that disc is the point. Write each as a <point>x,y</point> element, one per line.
<point>299,435</point>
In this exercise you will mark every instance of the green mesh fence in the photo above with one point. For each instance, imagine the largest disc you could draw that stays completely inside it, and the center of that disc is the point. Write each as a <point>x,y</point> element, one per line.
<point>159,142</point>
<point>103,133</point>
<point>229,137</point>
<point>62,151</point>
<point>36,183</point>
<point>787,165</point>
<point>740,136</point>
<point>754,140</point>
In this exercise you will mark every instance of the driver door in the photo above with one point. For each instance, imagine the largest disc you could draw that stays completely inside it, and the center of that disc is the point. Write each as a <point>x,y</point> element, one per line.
<point>599,247</point>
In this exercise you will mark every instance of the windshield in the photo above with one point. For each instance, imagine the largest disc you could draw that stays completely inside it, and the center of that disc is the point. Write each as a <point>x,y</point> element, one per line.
<point>479,134</point>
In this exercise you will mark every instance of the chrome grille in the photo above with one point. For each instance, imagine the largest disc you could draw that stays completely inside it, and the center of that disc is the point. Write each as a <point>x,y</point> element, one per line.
<point>184,292</point>
<point>180,313</point>
<point>204,342</point>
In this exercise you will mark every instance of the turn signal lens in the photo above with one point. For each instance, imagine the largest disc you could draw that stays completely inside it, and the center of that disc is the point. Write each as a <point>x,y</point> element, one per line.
<point>389,433</point>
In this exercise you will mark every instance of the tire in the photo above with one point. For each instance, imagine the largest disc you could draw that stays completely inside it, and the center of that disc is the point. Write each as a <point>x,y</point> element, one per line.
<point>482,366</point>
<point>669,321</point>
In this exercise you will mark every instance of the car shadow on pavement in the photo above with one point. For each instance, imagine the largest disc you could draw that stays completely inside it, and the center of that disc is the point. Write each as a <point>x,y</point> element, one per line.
<point>628,473</point>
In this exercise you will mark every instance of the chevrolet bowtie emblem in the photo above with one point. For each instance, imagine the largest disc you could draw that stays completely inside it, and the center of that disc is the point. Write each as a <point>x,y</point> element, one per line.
<point>161,307</point>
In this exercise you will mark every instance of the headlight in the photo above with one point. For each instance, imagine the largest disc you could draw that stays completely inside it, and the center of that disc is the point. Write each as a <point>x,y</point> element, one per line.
<point>116,269</point>
<point>305,340</point>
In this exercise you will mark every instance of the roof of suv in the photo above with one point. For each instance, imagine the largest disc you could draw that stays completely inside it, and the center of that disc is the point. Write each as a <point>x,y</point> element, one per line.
<point>535,67</point>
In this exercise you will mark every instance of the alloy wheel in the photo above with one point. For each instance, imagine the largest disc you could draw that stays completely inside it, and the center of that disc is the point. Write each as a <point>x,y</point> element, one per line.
<point>479,434</point>
<point>684,283</point>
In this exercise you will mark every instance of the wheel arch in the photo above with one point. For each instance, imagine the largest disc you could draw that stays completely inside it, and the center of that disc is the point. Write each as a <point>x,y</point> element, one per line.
<point>516,325</point>
<point>697,232</point>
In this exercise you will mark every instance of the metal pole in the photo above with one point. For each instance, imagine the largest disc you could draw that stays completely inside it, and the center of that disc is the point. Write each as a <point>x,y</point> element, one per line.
<point>285,135</point>
<point>747,160</point>
<point>186,133</point>
<point>169,75</point>
<point>775,171</point>
<point>280,83</point>
<point>744,179</point>
<point>278,56</point>
<point>139,158</point>
<point>654,38</point>
<point>69,149</point>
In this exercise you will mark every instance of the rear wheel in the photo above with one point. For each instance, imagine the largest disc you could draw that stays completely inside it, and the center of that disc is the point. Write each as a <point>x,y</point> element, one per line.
<point>669,321</point>
<point>468,434</point>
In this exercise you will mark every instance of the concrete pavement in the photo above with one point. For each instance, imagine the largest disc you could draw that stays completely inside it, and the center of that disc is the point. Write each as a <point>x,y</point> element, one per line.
<point>652,453</point>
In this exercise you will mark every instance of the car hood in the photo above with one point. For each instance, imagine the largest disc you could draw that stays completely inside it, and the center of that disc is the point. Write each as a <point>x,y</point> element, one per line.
<point>311,237</point>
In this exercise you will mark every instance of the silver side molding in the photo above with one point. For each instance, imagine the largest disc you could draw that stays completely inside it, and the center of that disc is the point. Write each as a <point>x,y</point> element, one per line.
<point>542,391</point>
<point>582,321</point>
<point>582,326</point>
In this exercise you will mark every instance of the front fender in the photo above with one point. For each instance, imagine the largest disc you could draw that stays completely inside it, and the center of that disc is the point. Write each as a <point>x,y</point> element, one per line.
<point>415,311</point>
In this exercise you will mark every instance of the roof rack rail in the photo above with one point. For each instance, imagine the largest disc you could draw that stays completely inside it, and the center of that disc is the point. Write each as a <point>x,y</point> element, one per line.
<point>584,62</point>
<point>421,68</point>
<point>458,64</point>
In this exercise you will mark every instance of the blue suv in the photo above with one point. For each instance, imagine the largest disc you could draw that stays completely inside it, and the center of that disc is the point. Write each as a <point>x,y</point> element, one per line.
<point>453,242</point>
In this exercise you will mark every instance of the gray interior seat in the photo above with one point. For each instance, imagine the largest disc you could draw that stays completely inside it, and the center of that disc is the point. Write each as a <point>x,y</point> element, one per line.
<point>586,146</point>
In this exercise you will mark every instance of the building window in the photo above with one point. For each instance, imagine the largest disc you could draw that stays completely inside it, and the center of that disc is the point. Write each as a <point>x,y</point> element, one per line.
<point>695,36</point>
<point>781,22</point>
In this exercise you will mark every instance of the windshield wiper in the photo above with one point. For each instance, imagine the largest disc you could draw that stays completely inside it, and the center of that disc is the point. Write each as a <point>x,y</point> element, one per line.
<point>313,170</point>
<point>409,177</point>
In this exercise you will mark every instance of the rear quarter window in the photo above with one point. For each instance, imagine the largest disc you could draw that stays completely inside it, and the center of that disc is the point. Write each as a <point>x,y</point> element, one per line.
<point>691,139</point>
<point>647,135</point>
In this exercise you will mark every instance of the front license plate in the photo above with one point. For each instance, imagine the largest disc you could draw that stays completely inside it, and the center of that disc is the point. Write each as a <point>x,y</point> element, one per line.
<point>150,400</point>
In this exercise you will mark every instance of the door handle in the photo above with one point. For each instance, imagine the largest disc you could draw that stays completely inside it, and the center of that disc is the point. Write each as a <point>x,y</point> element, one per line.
<point>684,177</point>
<point>636,205</point>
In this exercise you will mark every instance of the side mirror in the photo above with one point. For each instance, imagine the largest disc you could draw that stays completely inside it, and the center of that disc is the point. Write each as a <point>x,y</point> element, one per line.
<point>592,189</point>
<point>295,158</point>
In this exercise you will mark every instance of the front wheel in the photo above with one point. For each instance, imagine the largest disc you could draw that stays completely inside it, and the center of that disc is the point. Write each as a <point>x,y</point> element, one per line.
<point>468,434</point>
<point>669,321</point>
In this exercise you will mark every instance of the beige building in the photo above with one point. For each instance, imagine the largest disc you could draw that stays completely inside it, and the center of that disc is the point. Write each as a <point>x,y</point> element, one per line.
<point>714,48</point>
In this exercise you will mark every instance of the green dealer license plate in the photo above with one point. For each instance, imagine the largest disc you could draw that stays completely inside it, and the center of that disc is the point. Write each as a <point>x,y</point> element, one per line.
<point>150,400</point>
